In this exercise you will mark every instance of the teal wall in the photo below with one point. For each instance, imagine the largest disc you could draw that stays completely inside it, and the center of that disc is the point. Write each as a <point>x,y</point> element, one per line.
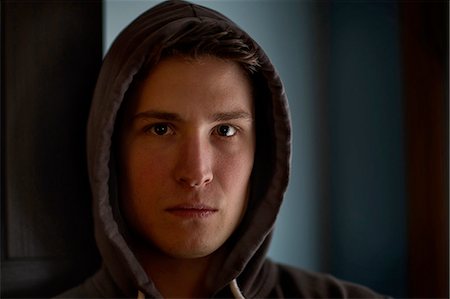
<point>367,169</point>
<point>344,211</point>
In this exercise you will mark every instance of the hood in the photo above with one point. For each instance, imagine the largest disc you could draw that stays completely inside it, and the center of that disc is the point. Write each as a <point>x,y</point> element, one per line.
<point>246,250</point>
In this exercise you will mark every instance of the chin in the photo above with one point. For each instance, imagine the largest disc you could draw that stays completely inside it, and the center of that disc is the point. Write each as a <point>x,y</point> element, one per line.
<point>188,254</point>
<point>182,244</point>
<point>189,251</point>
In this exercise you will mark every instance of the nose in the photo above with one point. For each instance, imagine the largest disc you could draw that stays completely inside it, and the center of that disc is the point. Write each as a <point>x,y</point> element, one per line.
<point>194,165</point>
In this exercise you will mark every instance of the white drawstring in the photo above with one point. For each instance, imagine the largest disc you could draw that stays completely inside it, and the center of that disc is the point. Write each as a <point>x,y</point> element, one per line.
<point>233,286</point>
<point>235,290</point>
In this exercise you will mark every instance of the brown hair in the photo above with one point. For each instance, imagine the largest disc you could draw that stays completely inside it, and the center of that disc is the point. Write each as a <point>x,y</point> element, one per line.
<point>201,38</point>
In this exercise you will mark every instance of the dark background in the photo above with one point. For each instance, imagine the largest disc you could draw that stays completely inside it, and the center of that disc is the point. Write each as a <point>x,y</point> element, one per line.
<point>51,53</point>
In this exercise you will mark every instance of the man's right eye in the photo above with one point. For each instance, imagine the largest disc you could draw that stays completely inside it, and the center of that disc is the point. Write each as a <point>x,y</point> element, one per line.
<point>159,129</point>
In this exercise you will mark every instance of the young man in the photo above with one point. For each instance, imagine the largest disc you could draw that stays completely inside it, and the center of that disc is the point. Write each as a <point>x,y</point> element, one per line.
<point>188,149</point>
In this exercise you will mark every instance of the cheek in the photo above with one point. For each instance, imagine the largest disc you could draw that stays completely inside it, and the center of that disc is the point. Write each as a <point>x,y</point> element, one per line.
<point>233,172</point>
<point>233,175</point>
<point>143,168</point>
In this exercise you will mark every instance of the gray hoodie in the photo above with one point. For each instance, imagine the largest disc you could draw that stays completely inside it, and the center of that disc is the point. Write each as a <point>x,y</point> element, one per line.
<point>244,270</point>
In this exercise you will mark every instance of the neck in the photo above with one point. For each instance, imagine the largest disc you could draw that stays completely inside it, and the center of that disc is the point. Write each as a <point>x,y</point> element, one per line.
<point>176,277</point>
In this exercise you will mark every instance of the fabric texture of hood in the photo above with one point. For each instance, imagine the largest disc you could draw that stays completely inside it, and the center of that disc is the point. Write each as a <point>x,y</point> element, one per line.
<point>246,250</point>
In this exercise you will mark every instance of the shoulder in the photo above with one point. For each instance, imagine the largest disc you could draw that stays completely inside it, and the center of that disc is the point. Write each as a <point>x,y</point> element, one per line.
<point>293,283</point>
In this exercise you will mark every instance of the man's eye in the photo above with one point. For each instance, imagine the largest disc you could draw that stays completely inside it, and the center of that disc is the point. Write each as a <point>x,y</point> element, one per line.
<point>226,130</point>
<point>160,129</point>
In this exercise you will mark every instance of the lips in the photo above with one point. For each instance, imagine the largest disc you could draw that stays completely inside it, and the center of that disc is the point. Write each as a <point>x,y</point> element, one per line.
<point>192,210</point>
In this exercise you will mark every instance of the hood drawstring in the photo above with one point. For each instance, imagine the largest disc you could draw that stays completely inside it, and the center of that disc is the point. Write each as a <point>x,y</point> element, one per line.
<point>233,286</point>
<point>235,290</point>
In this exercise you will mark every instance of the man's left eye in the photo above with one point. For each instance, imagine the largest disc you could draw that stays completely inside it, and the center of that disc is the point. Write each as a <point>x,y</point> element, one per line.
<point>226,130</point>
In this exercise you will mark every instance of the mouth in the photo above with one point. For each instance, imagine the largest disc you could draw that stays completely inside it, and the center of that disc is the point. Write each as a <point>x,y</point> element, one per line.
<point>192,211</point>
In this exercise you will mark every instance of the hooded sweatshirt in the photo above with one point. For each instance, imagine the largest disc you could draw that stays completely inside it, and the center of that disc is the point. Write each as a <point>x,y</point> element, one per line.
<point>244,270</point>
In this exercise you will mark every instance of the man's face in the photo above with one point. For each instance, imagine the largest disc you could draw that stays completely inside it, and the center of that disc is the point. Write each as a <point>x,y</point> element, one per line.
<point>186,154</point>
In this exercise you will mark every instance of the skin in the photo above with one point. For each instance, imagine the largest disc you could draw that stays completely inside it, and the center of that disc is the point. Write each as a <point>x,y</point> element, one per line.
<point>186,152</point>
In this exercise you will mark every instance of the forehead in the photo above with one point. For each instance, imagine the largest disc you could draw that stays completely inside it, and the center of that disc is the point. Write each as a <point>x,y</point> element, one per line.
<point>191,86</point>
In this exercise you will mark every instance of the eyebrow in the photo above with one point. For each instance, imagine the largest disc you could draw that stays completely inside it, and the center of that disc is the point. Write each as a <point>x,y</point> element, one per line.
<point>216,117</point>
<point>158,115</point>
<point>232,115</point>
